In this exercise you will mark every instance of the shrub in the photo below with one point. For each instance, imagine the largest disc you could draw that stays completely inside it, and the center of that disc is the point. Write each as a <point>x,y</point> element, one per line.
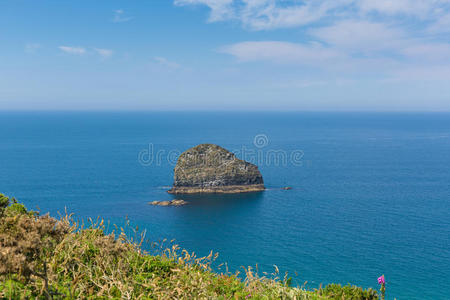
<point>348,292</point>
<point>27,241</point>
<point>41,257</point>
<point>4,203</point>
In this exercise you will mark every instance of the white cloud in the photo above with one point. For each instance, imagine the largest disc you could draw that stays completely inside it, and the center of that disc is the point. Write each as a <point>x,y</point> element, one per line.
<point>32,47</point>
<point>392,7</point>
<point>337,61</point>
<point>438,52</point>
<point>104,53</point>
<point>166,63</point>
<point>73,50</point>
<point>281,52</point>
<point>220,9</point>
<point>441,25</point>
<point>314,56</point>
<point>377,40</point>
<point>422,73</point>
<point>271,14</point>
<point>360,36</point>
<point>267,14</point>
<point>120,17</point>
<point>381,38</point>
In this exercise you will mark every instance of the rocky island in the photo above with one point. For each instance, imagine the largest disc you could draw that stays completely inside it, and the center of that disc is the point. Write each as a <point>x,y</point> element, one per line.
<point>208,168</point>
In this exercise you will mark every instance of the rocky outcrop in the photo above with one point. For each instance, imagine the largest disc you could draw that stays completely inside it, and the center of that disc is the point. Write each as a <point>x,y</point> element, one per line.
<point>208,168</point>
<point>175,202</point>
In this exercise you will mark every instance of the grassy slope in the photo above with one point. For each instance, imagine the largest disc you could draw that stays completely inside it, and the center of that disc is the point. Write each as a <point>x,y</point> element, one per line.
<point>41,257</point>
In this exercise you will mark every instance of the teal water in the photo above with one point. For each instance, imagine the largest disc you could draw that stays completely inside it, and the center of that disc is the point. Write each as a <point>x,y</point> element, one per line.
<point>370,195</point>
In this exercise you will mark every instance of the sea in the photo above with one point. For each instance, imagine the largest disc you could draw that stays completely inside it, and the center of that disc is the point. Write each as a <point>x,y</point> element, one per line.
<point>370,191</point>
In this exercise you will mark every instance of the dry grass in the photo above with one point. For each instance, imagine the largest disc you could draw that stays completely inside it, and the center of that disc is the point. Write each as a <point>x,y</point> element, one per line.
<point>44,258</point>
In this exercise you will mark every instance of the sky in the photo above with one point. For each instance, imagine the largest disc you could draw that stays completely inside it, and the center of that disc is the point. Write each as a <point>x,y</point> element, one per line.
<point>249,55</point>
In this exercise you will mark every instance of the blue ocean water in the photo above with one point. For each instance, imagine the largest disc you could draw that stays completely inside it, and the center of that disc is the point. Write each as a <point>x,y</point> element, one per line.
<point>371,192</point>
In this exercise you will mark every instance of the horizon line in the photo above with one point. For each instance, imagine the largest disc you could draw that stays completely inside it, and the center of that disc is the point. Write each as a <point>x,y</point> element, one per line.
<point>211,111</point>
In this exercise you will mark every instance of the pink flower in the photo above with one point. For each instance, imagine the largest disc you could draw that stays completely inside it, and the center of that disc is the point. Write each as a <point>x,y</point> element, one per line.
<point>381,280</point>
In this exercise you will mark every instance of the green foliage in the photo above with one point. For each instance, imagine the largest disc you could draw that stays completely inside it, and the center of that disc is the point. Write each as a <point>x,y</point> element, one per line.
<point>4,202</point>
<point>12,289</point>
<point>42,258</point>
<point>16,209</point>
<point>26,243</point>
<point>350,292</point>
<point>10,207</point>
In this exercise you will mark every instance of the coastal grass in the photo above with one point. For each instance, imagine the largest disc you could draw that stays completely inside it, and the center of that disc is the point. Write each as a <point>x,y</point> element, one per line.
<point>45,258</point>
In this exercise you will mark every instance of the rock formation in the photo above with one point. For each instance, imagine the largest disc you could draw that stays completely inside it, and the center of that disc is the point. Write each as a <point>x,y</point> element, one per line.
<point>209,168</point>
<point>175,202</point>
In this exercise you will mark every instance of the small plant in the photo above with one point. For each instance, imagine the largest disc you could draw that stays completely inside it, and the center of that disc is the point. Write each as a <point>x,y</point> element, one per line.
<point>382,282</point>
<point>348,292</point>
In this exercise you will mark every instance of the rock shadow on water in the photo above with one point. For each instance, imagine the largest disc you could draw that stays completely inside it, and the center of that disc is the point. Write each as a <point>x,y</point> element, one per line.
<point>221,200</point>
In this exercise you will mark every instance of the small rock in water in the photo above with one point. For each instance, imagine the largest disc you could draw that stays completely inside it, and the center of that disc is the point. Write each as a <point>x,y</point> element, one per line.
<point>175,202</point>
<point>179,202</point>
<point>287,188</point>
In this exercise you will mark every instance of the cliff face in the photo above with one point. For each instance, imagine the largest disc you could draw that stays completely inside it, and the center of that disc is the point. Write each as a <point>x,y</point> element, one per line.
<point>209,168</point>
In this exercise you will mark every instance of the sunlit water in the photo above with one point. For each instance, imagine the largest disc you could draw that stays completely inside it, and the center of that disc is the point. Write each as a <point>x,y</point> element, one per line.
<point>370,195</point>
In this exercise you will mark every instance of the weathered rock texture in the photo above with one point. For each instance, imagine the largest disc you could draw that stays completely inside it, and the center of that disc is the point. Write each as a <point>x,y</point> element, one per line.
<point>209,168</point>
<point>174,202</point>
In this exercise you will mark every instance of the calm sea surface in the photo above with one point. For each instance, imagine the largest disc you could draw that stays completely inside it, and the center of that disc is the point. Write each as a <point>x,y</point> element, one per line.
<point>371,192</point>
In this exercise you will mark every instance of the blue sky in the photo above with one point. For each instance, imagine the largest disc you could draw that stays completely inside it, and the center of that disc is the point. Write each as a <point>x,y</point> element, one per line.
<point>344,55</point>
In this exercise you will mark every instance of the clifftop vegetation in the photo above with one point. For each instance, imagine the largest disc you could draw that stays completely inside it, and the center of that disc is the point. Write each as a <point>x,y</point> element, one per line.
<point>45,258</point>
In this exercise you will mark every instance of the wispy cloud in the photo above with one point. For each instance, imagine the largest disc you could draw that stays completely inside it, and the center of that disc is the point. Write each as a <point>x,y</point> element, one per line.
<point>120,16</point>
<point>382,37</point>
<point>281,52</point>
<point>437,53</point>
<point>166,63</point>
<point>104,53</point>
<point>73,50</point>
<point>32,47</point>
<point>441,24</point>
<point>220,9</point>
<point>418,8</point>
<point>271,14</point>
<point>262,14</point>
<point>359,36</point>
<point>78,50</point>
<point>409,59</point>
